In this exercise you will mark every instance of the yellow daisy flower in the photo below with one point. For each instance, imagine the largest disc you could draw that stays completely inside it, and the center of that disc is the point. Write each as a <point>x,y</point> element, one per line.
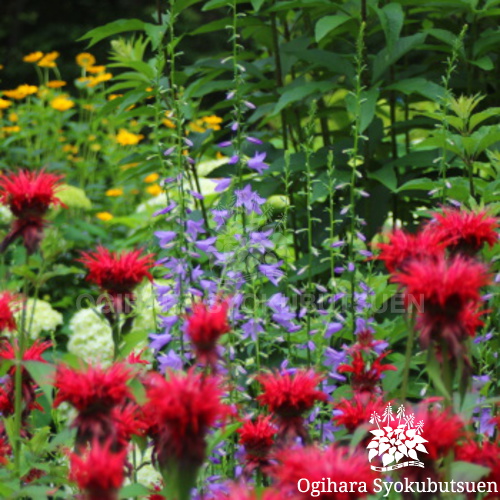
<point>114,192</point>
<point>85,60</point>
<point>33,57</point>
<point>104,216</point>
<point>126,138</point>
<point>151,178</point>
<point>62,103</point>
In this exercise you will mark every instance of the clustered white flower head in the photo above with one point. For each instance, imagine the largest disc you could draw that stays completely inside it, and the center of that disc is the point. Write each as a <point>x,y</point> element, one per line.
<point>40,317</point>
<point>5,215</point>
<point>91,337</point>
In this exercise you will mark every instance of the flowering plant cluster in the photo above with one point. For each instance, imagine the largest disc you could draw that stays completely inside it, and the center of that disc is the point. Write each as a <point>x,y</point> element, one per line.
<point>196,300</point>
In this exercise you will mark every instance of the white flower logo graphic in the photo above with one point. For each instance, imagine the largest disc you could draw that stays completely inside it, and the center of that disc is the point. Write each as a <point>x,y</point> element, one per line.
<point>395,440</point>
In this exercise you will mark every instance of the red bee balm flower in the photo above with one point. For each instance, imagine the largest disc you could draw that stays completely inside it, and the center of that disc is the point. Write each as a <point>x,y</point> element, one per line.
<point>319,466</point>
<point>204,327</point>
<point>450,293</point>
<point>241,492</point>
<point>404,247</point>
<point>257,438</point>
<point>365,376</point>
<point>117,273</point>
<point>357,411</point>
<point>465,231</point>
<point>99,472</point>
<point>29,387</point>
<point>7,321</point>
<point>180,411</point>
<point>94,392</point>
<point>28,195</point>
<point>289,397</point>
<point>486,454</point>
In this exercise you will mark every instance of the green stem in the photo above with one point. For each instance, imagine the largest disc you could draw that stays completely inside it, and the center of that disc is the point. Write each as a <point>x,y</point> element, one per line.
<point>408,355</point>
<point>18,381</point>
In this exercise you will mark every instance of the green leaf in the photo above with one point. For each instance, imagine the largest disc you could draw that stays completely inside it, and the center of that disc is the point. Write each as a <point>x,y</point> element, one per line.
<point>485,63</point>
<point>480,117</point>
<point>386,176</point>
<point>133,490</point>
<point>257,4</point>
<point>466,471</point>
<point>384,59</point>
<point>391,18</point>
<point>420,86</point>
<point>422,184</point>
<point>138,391</point>
<point>113,28</point>
<point>43,375</point>
<point>220,435</point>
<point>299,92</point>
<point>329,24</point>
<point>155,32</point>
<point>434,371</point>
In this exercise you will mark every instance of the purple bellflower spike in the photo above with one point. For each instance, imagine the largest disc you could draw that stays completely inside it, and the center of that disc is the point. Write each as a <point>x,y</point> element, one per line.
<point>169,361</point>
<point>165,210</point>
<point>249,199</point>
<point>257,162</point>
<point>222,184</point>
<point>332,328</point>
<point>220,217</point>
<point>254,140</point>
<point>194,228</point>
<point>337,244</point>
<point>207,245</point>
<point>233,160</point>
<point>251,329</point>
<point>165,237</point>
<point>260,240</point>
<point>272,272</point>
<point>159,341</point>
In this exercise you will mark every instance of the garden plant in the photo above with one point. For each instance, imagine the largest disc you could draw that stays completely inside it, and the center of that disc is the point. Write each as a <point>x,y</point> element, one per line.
<point>243,274</point>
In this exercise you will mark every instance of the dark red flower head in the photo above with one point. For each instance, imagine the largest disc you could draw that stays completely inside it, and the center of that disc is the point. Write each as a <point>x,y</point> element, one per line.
<point>404,248</point>
<point>357,411</point>
<point>366,375</point>
<point>100,396</point>
<point>258,438</point>
<point>204,327</point>
<point>335,463</point>
<point>448,294</point>
<point>180,411</point>
<point>93,389</point>
<point>33,353</point>
<point>465,231</point>
<point>118,273</point>
<point>7,309</point>
<point>485,454</point>
<point>242,492</point>
<point>442,429</point>
<point>29,387</point>
<point>289,397</point>
<point>99,472</point>
<point>28,195</point>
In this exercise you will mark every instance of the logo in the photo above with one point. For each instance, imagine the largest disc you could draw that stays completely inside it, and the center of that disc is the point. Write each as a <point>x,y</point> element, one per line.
<point>396,439</point>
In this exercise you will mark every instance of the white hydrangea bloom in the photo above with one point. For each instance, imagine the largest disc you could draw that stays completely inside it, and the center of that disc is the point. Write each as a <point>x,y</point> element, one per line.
<point>147,475</point>
<point>40,317</point>
<point>5,215</point>
<point>153,204</point>
<point>146,309</point>
<point>91,337</point>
